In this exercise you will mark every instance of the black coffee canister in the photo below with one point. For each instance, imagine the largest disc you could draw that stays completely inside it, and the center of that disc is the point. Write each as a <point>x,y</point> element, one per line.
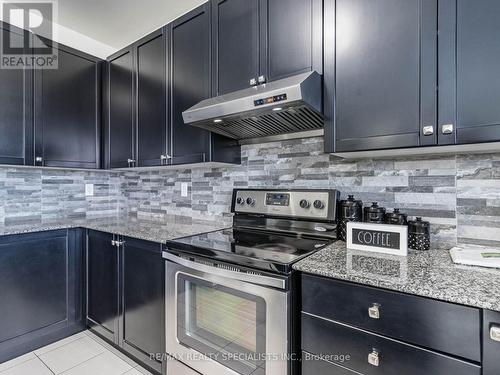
<point>375,214</point>
<point>419,234</point>
<point>396,218</point>
<point>351,210</point>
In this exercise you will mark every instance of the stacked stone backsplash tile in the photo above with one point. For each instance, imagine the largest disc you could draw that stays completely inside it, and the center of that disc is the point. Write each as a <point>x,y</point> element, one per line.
<point>459,194</point>
<point>36,194</point>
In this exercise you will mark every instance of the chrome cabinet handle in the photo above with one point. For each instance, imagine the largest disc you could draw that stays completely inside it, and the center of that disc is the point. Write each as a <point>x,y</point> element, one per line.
<point>253,82</point>
<point>428,130</point>
<point>130,162</point>
<point>374,358</point>
<point>262,79</point>
<point>495,333</point>
<point>165,158</point>
<point>447,129</point>
<point>374,311</point>
<point>38,159</point>
<point>113,243</point>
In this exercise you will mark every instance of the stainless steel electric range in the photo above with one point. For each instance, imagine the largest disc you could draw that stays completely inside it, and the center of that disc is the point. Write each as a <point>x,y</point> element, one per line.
<point>229,292</point>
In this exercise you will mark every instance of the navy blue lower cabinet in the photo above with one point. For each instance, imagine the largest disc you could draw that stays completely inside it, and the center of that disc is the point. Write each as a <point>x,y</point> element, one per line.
<point>372,354</point>
<point>143,333</point>
<point>102,285</point>
<point>41,290</point>
<point>491,343</point>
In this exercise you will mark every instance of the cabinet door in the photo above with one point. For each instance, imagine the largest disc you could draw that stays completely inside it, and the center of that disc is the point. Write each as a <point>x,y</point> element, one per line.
<point>235,35</point>
<point>67,113</point>
<point>102,285</point>
<point>190,83</point>
<point>469,79</point>
<point>491,347</point>
<point>292,37</point>
<point>151,68</point>
<point>16,127</point>
<point>40,287</point>
<point>380,74</point>
<point>143,300</point>
<point>121,124</point>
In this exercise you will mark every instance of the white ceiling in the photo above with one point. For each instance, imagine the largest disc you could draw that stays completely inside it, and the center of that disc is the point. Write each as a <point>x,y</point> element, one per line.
<point>117,23</point>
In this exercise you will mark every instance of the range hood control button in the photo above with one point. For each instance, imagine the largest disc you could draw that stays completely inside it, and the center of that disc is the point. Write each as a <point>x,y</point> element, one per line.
<point>251,201</point>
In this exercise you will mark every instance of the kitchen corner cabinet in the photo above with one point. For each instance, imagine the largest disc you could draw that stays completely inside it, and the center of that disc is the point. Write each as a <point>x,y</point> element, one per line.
<point>380,74</point>
<point>16,125</point>
<point>125,294</point>
<point>469,82</point>
<point>41,279</point>
<point>257,41</point>
<point>67,111</point>
<point>190,72</point>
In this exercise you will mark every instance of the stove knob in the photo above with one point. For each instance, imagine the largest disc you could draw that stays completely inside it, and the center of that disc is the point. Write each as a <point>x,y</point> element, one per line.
<point>304,203</point>
<point>251,201</point>
<point>240,201</point>
<point>319,205</point>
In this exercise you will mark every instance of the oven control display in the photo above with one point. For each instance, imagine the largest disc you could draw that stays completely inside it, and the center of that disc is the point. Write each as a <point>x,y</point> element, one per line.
<point>270,100</point>
<point>277,199</point>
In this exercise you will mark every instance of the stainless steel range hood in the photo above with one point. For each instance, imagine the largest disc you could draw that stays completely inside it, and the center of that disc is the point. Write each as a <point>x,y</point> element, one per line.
<point>286,106</point>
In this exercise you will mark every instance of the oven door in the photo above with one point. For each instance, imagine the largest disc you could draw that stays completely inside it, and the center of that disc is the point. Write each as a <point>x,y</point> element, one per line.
<point>220,322</point>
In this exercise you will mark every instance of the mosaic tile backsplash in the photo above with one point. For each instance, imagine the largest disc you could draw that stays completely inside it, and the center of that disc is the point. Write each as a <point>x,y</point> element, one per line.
<point>459,194</point>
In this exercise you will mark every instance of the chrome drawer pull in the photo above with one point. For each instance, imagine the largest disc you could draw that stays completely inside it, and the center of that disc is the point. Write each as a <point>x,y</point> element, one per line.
<point>495,333</point>
<point>447,129</point>
<point>374,358</point>
<point>374,311</point>
<point>428,130</point>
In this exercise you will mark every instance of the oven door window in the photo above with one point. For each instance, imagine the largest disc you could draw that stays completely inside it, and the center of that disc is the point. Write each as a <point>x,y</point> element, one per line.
<point>226,325</point>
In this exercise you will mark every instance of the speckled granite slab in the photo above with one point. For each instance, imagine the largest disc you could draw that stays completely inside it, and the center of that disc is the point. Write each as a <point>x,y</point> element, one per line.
<point>429,274</point>
<point>161,231</point>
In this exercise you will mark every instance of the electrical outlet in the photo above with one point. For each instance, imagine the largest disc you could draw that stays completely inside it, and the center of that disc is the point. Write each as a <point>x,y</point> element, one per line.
<point>184,189</point>
<point>89,190</point>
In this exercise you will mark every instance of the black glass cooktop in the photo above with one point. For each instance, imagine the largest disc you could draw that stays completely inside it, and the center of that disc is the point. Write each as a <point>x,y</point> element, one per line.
<point>258,249</point>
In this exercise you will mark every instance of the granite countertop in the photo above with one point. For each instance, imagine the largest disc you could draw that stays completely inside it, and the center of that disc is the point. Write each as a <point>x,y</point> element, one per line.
<point>168,228</point>
<point>429,274</point>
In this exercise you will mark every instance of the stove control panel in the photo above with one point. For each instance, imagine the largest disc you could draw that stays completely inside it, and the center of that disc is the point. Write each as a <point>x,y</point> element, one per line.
<point>303,204</point>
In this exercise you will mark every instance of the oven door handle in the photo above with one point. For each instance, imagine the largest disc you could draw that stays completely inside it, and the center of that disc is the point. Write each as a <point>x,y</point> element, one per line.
<point>269,281</point>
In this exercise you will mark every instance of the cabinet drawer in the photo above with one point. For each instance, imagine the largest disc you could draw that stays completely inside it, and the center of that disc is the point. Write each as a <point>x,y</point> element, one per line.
<point>312,365</point>
<point>327,338</point>
<point>436,325</point>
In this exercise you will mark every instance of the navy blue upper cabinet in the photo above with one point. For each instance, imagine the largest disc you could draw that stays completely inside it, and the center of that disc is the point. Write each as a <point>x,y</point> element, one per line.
<point>190,83</point>
<point>292,34</point>
<point>469,70</point>
<point>380,74</point>
<point>16,126</point>
<point>266,39</point>
<point>151,69</point>
<point>67,111</point>
<point>120,127</point>
<point>236,37</point>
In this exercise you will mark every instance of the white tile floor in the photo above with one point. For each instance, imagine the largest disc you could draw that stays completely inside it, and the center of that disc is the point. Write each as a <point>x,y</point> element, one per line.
<point>81,354</point>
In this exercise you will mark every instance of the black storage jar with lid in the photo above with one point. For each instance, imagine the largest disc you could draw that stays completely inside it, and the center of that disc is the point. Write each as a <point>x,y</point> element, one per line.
<point>351,210</point>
